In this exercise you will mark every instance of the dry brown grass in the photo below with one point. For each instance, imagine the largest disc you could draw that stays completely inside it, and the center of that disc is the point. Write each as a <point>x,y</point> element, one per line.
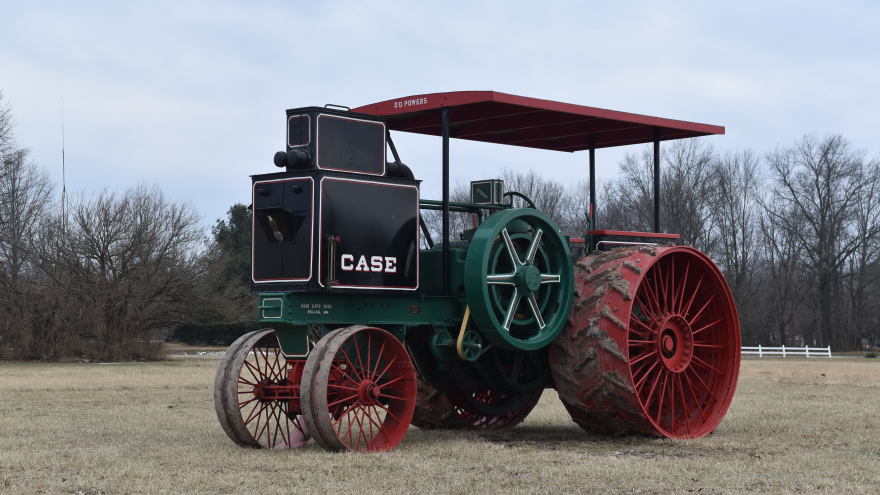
<point>151,428</point>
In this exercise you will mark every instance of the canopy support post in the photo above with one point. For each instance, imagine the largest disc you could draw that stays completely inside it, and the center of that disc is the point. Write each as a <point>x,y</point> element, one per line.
<point>593,181</point>
<point>445,201</point>
<point>657,180</point>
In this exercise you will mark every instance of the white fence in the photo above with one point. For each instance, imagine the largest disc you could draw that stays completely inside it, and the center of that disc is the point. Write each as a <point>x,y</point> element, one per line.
<point>787,351</point>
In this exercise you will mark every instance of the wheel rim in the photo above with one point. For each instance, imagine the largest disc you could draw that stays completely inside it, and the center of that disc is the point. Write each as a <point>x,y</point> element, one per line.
<point>679,345</point>
<point>361,390</point>
<point>261,404</point>
<point>653,346</point>
<point>518,279</point>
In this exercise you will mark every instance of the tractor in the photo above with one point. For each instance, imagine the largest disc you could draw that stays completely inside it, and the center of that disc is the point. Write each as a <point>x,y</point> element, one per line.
<point>372,326</point>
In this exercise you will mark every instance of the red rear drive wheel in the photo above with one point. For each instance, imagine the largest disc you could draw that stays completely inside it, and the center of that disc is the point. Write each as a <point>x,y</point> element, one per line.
<point>652,344</point>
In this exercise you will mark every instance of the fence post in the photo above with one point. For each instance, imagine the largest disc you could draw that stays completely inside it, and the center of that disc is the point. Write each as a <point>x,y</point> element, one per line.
<point>829,351</point>
<point>808,351</point>
<point>760,354</point>
<point>783,351</point>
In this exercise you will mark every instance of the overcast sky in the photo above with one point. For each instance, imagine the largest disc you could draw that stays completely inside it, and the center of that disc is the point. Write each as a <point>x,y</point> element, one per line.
<point>191,95</point>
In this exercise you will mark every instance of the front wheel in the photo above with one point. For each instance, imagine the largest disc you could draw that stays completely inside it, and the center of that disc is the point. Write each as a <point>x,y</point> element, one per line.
<point>255,394</point>
<point>359,390</point>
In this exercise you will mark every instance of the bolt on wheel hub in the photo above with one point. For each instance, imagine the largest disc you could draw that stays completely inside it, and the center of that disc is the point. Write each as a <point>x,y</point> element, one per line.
<point>369,392</point>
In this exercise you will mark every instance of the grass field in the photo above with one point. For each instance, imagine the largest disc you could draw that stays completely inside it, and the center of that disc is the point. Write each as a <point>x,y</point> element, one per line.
<point>795,425</point>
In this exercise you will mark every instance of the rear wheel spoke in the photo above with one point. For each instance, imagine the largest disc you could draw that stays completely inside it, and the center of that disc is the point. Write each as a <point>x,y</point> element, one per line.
<point>704,364</point>
<point>699,379</point>
<point>643,357</point>
<point>707,326</point>
<point>700,312</point>
<point>697,400</point>
<point>683,284</point>
<point>691,300</point>
<point>684,408</point>
<point>645,376</point>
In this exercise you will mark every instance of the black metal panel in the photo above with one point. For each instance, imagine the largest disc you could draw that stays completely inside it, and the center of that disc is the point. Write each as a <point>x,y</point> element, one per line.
<point>282,228</point>
<point>336,140</point>
<point>299,130</point>
<point>377,224</point>
<point>373,216</point>
<point>351,145</point>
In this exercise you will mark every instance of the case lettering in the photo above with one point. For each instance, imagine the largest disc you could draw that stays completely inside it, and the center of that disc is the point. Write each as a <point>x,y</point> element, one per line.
<point>385,264</point>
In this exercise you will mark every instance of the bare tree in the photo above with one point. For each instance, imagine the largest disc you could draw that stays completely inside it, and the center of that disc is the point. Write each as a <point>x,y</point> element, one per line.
<point>863,267</point>
<point>630,198</point>
<point>458,221</point>
<point>25,196</point>
<point>821,180</point>
<point>734,211</point>
<point>7,125</point>
<point>574,219</point>
<point>782,287</point>
<point>686,189</point>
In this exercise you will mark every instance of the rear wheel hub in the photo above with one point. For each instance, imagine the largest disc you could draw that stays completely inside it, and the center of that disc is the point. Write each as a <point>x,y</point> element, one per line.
<point>675,343</point>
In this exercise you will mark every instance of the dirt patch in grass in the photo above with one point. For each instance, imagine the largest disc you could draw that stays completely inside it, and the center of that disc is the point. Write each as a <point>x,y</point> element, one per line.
<point>151,428</point>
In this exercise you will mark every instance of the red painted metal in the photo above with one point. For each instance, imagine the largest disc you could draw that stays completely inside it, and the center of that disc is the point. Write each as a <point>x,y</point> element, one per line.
<point>654,344</point>
<point>268,396</point>
<point>360,389</point>
<point>493,117</point>
<point>633,234</point>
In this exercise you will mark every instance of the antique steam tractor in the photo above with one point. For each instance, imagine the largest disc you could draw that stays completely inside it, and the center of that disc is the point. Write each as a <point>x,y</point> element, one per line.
<point>367,333</point>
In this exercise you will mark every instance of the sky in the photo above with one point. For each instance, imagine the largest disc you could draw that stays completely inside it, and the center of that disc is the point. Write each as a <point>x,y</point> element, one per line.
<point>191,95</point>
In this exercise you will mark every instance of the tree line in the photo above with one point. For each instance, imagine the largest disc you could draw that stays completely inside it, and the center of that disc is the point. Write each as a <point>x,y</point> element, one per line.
<point>795,230</point>
<point>105,276</point>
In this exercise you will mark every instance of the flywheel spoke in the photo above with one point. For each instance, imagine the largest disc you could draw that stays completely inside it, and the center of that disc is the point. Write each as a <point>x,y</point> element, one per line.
<point>536,311</point>
<point>511,251</point>
<point>511,310</point>
<point>500,279</point>
<point>533,247</point>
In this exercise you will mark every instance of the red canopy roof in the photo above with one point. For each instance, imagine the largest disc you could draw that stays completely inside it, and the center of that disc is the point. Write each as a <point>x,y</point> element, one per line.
<point>501,118</point>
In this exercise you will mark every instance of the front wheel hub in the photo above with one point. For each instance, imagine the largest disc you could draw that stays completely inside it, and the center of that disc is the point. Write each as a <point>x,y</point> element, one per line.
<point>369,392</point>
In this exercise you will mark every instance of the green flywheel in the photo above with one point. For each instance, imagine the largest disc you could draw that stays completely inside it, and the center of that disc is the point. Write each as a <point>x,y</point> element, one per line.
<point>518,279</point>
